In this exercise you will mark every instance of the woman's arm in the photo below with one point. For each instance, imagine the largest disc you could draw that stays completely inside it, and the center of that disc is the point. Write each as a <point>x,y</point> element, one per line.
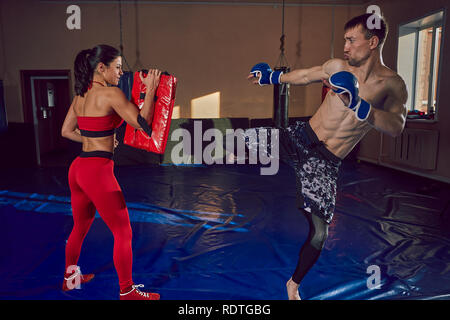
<point>69,128</point>
<point>128,111</point>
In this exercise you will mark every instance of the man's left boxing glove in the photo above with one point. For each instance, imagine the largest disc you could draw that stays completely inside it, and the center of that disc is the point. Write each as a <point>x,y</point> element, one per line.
<point>265,74</point>
<point>346,82</point>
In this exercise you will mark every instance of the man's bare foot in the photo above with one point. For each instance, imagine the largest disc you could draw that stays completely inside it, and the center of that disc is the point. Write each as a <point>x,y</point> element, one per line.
<point>231,158</point>
<point>292,290</point>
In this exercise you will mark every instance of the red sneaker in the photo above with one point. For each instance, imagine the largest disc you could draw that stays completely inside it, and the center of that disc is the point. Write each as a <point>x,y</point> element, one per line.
<point>136,294</point>
<point>71,282</point>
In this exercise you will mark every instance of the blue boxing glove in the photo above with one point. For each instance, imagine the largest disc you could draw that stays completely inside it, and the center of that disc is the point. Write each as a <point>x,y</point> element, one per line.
<point>346,82</point>
<point>265,74</point>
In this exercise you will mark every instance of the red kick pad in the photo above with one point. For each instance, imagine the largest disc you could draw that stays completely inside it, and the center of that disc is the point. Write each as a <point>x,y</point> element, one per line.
<point>165,99</point>
<point>325,90</point>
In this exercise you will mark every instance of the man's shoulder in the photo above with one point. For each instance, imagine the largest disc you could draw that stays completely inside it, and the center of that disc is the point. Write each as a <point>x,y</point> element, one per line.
<point>394,83</point>
<point>335,65</point>
<point>391,77</point>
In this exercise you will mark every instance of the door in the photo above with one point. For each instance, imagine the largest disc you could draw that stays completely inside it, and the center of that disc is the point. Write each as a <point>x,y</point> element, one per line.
<point>46,100</point>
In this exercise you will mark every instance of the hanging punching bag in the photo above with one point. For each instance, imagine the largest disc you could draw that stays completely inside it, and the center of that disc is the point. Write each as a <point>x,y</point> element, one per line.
<point>281,102</point>
<point>325,89</point>
<point>281,91</point>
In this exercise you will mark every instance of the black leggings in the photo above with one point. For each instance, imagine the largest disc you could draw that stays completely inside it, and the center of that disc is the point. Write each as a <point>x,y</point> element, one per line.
<point>310,252</point>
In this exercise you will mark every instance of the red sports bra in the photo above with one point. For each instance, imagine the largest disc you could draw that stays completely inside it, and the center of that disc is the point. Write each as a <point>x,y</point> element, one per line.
<point>99,126</point>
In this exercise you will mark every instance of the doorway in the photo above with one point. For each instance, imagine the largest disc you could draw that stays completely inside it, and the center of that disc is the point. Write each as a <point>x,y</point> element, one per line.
<point>47,97</point>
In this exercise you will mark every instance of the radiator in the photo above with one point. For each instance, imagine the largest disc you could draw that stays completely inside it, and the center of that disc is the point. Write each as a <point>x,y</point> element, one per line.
<point>415,148</point>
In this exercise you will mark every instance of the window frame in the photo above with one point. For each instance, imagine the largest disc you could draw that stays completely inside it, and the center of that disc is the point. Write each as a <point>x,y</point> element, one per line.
<point>402,30</point>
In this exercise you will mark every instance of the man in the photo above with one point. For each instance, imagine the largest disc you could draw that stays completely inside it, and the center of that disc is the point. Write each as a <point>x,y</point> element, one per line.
<point>365,94</point>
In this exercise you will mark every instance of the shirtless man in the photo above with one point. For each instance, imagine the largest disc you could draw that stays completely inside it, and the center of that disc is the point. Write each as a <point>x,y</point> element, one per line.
<point>364,94</point>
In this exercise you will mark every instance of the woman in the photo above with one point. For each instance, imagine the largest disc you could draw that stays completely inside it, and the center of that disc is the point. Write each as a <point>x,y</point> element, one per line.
<point>94,114</point>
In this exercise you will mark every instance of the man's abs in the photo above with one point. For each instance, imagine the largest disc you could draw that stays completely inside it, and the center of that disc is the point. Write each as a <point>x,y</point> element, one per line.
<point>337,126</point>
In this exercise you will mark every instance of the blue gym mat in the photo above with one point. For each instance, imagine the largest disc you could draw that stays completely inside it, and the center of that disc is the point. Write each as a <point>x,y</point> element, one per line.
<point>227,232</point>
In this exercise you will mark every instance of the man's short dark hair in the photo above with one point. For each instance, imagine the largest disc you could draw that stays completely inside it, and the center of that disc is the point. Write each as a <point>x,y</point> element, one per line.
<point>370,25</point>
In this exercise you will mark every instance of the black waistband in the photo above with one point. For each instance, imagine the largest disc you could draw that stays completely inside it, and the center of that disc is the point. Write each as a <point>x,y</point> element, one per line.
<point>97,134</point>
<point>96,154</point>
<point>319,145</point>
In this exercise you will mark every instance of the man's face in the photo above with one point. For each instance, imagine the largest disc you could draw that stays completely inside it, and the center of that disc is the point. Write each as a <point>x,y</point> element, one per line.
<point>356,47</point>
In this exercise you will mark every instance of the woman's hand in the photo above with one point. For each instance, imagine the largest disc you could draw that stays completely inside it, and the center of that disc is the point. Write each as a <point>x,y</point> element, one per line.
<point>116,142</point>
<point>151,81</point>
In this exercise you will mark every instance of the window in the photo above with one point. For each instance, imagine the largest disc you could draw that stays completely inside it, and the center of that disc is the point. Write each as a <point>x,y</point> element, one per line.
<point>419,53</point>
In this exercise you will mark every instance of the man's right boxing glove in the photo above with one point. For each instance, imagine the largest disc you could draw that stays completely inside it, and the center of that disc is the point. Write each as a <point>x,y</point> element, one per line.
<point>265,74</point>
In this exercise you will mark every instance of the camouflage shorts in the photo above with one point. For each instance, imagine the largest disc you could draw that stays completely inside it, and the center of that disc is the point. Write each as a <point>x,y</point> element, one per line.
<point>316,168</point>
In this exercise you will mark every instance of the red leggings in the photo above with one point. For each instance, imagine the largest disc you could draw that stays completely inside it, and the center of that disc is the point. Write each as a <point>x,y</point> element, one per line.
<point>94,186</point>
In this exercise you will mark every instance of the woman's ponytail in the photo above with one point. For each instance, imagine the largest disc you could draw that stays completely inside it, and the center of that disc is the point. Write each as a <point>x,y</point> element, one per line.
<point>83,72</point>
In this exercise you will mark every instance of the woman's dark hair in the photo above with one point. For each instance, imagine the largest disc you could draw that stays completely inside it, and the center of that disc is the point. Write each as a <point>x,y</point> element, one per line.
<point>86,62</point>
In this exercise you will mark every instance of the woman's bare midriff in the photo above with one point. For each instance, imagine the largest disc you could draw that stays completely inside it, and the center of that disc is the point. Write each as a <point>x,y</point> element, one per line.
<point>98,144</point>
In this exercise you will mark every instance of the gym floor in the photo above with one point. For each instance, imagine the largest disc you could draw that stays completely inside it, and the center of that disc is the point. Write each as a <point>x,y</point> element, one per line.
<point>226,232</point>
